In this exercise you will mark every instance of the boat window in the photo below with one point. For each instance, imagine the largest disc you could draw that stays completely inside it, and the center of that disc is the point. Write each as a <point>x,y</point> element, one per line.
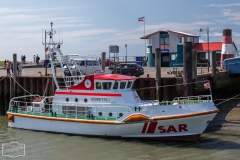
<point>129,84</point>
<point>89,63</point>
<point>115,86</point>
<point>82,63</point>
<point>98,85</point>
<point>95,63</point>
<point>122,85</point>
<point>107,85</point>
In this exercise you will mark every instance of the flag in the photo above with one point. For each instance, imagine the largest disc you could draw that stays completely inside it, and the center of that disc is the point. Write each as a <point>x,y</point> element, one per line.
<point>207,85</point>
<point>141,19</point>
<point>46,50</point>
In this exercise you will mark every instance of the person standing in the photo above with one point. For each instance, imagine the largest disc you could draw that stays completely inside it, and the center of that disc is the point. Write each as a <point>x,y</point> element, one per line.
<point>34,58</point>
<point>8,66</point>
<point>37,59</point>
<point>11,66</point>
<point>5,62</point>
<point>19,69</point>
<point>24,59</point>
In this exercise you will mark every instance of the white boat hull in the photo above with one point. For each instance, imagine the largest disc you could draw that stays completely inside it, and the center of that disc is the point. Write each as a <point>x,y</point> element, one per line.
<point>187,129</point>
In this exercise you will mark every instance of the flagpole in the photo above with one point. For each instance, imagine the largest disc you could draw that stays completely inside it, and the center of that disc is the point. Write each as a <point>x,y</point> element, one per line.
<point>144,35</point>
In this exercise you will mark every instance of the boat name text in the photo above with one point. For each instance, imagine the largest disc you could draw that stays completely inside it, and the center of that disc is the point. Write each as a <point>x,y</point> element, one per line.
<point>100,99</point>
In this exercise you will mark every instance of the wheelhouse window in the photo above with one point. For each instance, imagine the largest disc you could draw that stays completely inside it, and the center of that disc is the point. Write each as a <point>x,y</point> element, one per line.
<point>115,86</point>
<point>98,85</point>
<point>129,84</point>
<point>122,85</point>
<point>106,85</point>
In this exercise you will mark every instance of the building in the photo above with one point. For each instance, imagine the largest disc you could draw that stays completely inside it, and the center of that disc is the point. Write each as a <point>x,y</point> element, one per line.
<point>168,41</point>
<point>171,45</point>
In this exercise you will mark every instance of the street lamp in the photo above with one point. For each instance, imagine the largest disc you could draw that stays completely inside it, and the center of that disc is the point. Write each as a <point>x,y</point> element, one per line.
<point>126,53</point>
<point>207,30</point>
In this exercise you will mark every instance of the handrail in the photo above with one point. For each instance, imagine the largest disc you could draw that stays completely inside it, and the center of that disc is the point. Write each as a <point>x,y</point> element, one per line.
<point>66,110</point>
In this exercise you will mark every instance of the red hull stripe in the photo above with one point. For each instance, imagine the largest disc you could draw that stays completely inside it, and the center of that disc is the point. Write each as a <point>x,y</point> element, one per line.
<point>144,127</point>
<point>89,94</point>
<point>152,127</point>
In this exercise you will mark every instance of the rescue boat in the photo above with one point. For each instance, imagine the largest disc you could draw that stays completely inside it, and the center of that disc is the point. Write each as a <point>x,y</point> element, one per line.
<point>105,105</point>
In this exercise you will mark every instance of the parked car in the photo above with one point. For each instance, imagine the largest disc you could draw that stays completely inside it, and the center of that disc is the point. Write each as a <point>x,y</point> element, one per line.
<point>129,69</point>
<point>107,62</point>
<point>86,66</point>
<point>46,63</point>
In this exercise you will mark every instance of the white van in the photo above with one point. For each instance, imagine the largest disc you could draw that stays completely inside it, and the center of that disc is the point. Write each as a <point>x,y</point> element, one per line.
<point>88,66</point>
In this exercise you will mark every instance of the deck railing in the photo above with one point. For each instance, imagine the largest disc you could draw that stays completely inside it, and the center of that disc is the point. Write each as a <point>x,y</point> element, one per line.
<point>67,110</point>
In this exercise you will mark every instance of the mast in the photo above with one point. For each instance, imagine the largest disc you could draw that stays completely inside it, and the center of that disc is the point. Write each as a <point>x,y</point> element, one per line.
<point>51,50</point>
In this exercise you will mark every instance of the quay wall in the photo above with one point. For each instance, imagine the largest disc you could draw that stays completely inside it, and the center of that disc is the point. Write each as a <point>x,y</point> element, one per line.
<point>226,86</point>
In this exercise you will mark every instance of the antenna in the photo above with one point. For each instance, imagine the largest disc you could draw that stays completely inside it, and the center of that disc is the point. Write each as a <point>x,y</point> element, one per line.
<point>62,36</point>
<point>42,35</point>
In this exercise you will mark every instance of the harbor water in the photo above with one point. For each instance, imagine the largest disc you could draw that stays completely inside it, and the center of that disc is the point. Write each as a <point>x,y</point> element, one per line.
<point>213,144</point>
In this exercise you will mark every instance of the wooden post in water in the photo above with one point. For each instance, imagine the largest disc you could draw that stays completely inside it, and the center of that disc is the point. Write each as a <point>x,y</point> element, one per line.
<point>6,91</point>
<point>103,61</point>
<point>15,72</point>
<point>194,65</point>
<point>158,72</point>
<point>187,69</point>
<point>194,70</point>
<point>15,65</point>
<point>214,66</point>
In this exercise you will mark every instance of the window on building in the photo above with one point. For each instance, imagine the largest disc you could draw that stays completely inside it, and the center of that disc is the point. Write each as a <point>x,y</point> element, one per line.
<point>165,59</point>
<point>179,39</point>
<point>173,56</point>
<point>185,39</point>
<point>149,41</point>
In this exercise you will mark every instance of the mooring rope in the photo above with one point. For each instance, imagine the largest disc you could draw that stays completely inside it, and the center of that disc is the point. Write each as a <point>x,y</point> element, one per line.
<point>228,99</point>
<point>20,85</point>
<point>173,85</point>
<point>3,78</point>
<point>45,91</point>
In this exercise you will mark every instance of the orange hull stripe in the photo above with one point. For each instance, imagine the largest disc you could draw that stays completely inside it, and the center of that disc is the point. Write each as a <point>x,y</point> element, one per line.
<point>136,117</point>
<point>185,115</point>
<point>10,117</point>
<point>65,119</point>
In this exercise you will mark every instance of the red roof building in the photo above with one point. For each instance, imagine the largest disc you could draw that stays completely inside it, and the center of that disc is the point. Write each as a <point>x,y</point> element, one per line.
<point>203,47</point>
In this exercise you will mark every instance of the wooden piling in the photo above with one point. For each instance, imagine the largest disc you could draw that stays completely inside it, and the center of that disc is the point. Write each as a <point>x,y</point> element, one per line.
<point>103,61</point>
<point>158,72</point>
<point>214,66</point>
<point>194,65</point>
<point>187,69</point>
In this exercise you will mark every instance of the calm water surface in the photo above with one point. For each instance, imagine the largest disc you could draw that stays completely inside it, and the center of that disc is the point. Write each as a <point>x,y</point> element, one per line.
<point>222,144</point>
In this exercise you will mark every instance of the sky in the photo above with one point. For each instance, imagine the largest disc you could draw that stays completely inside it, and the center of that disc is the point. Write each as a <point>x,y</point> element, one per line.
<point>88,27</point>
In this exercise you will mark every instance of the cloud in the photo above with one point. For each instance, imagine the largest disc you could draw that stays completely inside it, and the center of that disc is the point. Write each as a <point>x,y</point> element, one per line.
<point>21,10</point>
<point>224,5</point>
